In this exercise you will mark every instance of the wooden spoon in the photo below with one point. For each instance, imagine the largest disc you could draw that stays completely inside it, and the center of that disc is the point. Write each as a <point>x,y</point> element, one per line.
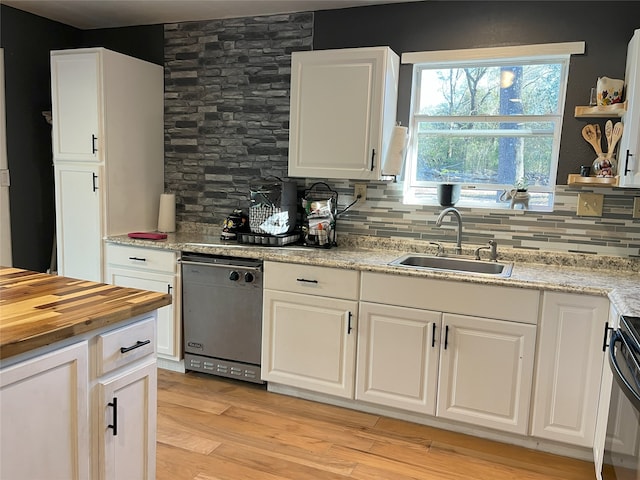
<point>598,139</point>
<point>589,134</point>
<point>608,131</point>
<point>615,136</point>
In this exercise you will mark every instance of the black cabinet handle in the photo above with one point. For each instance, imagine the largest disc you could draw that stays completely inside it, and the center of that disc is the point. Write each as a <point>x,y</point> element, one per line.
<point>138,259</point>
<point>446,336</point>
<point>169,288</point>
<point>305,280</point>
<point>138,344</point>
<point>373,155</point>
<point>626,162</point>
<point>433,335</point>
<point>349,325</point>
<point>114,425</point>
<point>93,144</point>
<point>95,184</point>
<point>604,340</point>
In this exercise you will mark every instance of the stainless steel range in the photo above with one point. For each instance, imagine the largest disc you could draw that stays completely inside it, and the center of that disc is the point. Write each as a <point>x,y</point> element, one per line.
<point>222,315</point>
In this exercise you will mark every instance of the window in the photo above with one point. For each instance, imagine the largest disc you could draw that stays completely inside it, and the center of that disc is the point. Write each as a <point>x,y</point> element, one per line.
<point>489,119</point>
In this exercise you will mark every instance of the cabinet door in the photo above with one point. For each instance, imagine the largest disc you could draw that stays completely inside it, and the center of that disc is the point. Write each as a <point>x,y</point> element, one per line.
<point>44,416</point>
<point>486,371</point>
<point>309,342</point>
<point>569,367</point>
<point>79,221</point>
<point>76,107</point>
<point>398,357</point>
<point>629,152</point>
<point>127,410</point>
<point>337,99</point>
<point>168,324</point>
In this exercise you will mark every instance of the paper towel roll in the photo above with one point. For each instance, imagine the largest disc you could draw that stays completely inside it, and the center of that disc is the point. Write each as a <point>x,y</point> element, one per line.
<point>167,213</point>
<point>395,153</point>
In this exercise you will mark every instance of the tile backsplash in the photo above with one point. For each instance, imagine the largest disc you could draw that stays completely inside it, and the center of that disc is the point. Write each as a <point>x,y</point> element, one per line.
<point>616,233</point>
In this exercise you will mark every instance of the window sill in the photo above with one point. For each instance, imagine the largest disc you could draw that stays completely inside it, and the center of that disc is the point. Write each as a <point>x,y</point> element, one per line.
<point>473,199</point>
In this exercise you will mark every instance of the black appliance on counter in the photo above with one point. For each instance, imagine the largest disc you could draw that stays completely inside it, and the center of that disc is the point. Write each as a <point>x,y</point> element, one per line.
<point>622,444</point>
<point>273,213</point>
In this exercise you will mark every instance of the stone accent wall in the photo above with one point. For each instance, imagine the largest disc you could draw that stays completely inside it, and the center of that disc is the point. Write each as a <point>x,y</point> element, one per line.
<point>227,108</point>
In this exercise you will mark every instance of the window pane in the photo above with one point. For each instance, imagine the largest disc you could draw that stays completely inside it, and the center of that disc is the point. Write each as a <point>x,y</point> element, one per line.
<point>495,153</point>
<point>491,90</point>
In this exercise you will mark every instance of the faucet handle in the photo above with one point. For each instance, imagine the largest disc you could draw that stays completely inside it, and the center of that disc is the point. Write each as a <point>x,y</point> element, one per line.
<point>493,247</point>
<point>440,248</point>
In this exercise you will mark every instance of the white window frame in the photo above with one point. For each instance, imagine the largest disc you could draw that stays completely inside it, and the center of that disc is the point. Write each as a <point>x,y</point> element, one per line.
<point>552,52</point>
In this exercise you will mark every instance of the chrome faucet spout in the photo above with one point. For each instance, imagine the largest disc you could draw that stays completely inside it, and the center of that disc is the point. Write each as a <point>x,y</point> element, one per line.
<point>456,214</point>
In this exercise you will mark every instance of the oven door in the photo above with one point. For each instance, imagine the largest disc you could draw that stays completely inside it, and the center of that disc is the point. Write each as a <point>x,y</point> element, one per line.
<point>622,444</point>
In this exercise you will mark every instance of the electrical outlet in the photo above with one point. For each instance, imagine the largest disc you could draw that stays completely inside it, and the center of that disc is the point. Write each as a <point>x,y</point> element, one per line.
<point>361,190</point>
<point>636,207</point>
<point>590,204</point>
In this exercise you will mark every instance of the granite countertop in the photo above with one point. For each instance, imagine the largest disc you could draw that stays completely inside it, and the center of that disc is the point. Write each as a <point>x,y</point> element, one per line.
<point>38,309</point>
<point>615,277</point>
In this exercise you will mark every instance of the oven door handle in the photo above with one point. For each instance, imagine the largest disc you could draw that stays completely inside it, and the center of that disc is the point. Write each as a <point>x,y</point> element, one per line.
<point>624,384</point>
<point>220,265</point>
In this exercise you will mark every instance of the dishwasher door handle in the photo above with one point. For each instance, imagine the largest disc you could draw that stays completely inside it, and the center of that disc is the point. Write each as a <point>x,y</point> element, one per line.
<point>220,265</point>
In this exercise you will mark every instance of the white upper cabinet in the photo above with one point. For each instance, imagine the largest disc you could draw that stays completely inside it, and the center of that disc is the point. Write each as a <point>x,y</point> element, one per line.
<point>629,153</point>
<point>343,110</point>
<point>77,105</point>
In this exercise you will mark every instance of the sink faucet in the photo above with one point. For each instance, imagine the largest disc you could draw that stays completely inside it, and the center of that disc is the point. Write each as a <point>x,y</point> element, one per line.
<point>458,217</point>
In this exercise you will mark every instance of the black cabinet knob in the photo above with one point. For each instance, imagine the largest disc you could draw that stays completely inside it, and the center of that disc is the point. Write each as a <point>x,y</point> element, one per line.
<point>248,277</point>
<point>233,276</point>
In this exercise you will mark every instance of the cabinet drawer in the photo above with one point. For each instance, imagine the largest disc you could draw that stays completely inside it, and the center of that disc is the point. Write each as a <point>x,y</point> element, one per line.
<point>505,303</point>
<point>321,281</point>
<point>124,345</point>
<point>144,258</point>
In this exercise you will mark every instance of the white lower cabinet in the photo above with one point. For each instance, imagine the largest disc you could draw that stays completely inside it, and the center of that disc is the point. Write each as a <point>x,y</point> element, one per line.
<point>155,270</point>
<point>309,339</point>
<point>44,416</point>
<point>82,411</point>
<point>124,390</point>
<point>569,367</point>
<point>127,442</point>
<point>398,350</point>
<point>486,372</point>
<point>416,354</point>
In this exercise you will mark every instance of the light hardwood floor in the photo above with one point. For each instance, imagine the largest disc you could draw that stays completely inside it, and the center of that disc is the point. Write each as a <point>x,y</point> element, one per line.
<point>210,428</point>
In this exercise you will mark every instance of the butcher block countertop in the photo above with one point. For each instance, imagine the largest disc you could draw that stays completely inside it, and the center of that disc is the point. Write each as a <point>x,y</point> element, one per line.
<point>37,309</point>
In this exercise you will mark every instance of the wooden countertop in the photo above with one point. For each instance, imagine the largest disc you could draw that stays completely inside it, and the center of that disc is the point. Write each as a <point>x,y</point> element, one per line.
<point>37,309</point>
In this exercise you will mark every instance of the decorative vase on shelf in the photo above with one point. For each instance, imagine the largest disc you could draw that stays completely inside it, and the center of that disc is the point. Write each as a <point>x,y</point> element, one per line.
<point>605,166</point>
<point>448,194</point>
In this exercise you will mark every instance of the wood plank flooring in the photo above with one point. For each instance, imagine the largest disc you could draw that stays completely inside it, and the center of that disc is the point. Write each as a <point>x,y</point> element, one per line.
<point>210,428</point>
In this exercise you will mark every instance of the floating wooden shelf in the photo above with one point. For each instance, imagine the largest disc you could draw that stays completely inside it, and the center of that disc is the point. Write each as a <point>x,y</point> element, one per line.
<point>576,179</point>
<point>608,111</point>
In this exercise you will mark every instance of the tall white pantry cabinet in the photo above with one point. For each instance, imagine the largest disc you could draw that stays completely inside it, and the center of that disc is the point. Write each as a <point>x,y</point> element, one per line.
<point>108,152</point>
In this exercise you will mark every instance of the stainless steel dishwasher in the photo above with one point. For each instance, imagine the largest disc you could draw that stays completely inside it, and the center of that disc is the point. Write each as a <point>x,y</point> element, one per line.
<point>222,315</point>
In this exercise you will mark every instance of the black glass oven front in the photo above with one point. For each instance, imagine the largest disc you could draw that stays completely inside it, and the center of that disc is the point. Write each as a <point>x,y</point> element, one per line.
<point>622,445</point>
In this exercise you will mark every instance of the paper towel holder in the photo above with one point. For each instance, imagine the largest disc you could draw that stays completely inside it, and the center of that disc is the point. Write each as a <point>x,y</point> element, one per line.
<point>398,141</point>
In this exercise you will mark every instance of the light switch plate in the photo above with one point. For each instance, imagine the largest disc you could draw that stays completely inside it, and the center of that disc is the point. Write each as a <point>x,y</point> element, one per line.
<point>636,207</point>
<point>590,204</point>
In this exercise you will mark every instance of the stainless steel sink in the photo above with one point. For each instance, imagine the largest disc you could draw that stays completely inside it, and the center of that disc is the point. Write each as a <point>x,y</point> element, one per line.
<point>453,264</point>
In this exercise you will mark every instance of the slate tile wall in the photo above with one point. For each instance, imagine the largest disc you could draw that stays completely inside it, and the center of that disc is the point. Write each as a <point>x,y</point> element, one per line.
<point>227,108</point>
<point>227,122</point>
